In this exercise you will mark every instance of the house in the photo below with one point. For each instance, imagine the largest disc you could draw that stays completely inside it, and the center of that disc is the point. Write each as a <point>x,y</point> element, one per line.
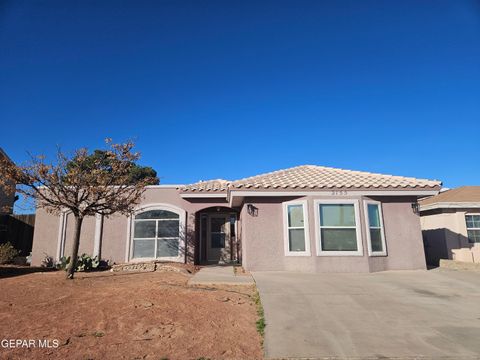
<point>7,196</point>
<point>450,220</point>
<point>306,218</point>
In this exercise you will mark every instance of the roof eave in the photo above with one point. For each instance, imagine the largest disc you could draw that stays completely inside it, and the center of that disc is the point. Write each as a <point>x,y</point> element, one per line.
<point>450,205</point>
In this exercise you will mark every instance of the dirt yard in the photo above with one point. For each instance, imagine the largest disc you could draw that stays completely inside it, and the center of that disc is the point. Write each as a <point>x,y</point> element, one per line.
<point>126,316</point>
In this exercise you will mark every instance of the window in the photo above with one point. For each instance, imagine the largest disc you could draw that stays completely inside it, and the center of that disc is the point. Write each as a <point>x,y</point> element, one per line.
<point>217,231</point>
<point>156,234</point>
<point>473,228</point>
<point>375,231</point>
<point>338,229</point>
<point>295,218</point>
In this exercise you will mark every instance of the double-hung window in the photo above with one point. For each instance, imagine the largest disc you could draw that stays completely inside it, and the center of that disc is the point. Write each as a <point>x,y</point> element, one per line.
<point>295,218</point>
<point>473,228</point>
<point>338,228</point>
<point>375,230</point>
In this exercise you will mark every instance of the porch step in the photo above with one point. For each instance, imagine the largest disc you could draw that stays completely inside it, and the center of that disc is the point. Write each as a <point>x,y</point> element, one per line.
<point>219,275</point>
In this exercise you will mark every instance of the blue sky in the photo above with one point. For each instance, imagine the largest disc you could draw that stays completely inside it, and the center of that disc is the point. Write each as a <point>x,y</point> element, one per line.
<point>228,89</point>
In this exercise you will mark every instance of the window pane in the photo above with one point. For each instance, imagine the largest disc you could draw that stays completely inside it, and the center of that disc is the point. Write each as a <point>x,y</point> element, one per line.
<point>157,214</point>
<point>373,215</point>
<point>474,236</point>
<point>473,221</point>
<point>339,240</point>
<point>168,228</point>
<point>476,221</point>
<point>167,248</point>
<point>143,248</point>
<point>296,238</point>
<point>469,220</point>
<point>217,224</point>
<point>376,240</point>
<point>218,240</point>
<point>337,215</point>
<point>144,229</point>
<point>295,215</point>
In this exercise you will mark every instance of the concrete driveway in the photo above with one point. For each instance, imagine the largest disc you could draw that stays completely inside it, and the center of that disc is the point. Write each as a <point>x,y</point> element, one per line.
<point>407,314</point>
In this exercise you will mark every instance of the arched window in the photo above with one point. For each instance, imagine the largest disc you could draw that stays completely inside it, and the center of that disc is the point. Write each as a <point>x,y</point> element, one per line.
<point>156,234</point>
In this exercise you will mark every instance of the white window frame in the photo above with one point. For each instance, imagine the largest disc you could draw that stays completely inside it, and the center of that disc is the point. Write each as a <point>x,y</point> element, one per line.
<point>466,224</point>
<point>358,228</point>
<point>305,228</point>
<point>181,240</point>
<point>382,228</point>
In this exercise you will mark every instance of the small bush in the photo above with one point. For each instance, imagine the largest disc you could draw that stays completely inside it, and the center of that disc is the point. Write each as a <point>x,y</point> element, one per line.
<point>47,261</point>
<point>62,264</point>
<point>7,253</point>
<point>84,263</point>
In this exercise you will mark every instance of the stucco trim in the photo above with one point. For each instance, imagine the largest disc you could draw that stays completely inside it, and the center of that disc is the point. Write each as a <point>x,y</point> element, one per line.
<point>358,227</point>
<point>334,192</point>
<point>306,228</point>
<point>61,235</point>
<point>450,205</point>
<point>367,227</point>
<point>157,206</point>
<point>197,195</point>
<point>97,241</point>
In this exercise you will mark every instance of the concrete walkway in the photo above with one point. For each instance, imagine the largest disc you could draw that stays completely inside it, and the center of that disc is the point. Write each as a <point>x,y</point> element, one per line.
<point>219,275</point>
<point>403,315</point>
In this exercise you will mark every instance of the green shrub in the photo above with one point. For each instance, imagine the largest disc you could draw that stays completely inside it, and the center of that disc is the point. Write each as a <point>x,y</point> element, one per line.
<point>84,263</point>
<point>7,253</point>
<point>62,264</point>
<point>47,261</point>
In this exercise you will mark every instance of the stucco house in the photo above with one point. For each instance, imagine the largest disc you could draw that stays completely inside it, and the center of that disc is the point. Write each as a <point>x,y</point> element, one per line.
<point>306,218</point>
<point>450,220</point>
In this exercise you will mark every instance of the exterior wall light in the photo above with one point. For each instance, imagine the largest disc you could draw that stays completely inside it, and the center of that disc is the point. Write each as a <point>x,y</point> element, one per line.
<point>416,208</point>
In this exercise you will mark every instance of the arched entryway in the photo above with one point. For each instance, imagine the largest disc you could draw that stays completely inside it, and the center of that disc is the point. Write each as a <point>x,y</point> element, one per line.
<point>218,238</point>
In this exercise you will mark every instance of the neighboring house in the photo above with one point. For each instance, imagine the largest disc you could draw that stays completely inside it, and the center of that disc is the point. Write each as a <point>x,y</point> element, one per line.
<point>7,198</point>
<point>306,218</point>
<point>450,220</point>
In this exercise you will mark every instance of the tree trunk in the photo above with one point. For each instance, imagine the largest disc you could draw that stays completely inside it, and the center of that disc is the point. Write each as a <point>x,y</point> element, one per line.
<point>76,244</point>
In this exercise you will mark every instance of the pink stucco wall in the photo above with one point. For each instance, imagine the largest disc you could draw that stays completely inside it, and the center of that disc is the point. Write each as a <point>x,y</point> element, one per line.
<point>262,236</point>
<point>114,238</point>
<point>263,240</point>
<point>45,236</point>
<point>115,228</point>
<point>86,238</point>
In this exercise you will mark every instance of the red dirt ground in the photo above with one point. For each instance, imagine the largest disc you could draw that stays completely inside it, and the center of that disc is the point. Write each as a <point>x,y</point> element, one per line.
<point>126,316</point>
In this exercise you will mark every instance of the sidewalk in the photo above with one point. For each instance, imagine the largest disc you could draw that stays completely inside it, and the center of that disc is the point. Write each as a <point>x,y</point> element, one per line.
<point>219,275</point>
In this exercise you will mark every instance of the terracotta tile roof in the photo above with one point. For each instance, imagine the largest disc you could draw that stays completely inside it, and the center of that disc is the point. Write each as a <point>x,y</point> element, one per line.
<point>210,185</point>
<point>311,177</point>
<point>464,194</point>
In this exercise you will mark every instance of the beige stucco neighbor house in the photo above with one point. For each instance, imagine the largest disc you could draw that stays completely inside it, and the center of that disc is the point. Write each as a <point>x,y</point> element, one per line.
<point>306,218</point>
<point>450,220</point>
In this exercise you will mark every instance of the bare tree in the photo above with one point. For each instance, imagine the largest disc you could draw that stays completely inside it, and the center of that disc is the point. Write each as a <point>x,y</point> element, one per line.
<point>82,183</point>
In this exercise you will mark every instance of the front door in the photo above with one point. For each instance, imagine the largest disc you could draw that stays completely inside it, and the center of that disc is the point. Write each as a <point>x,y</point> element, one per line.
<point>218,239</point>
